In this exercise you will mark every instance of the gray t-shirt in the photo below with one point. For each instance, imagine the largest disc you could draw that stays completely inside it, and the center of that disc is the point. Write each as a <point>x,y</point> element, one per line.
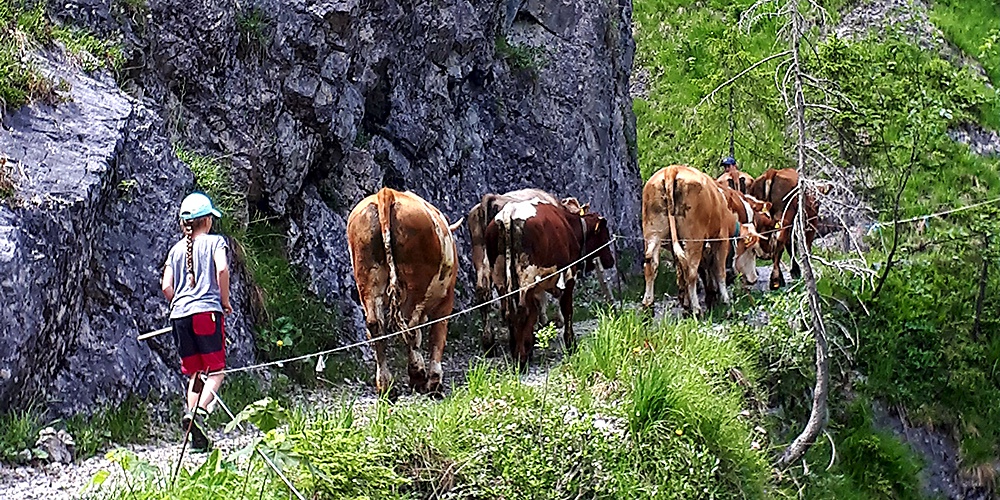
<point>205,295</point>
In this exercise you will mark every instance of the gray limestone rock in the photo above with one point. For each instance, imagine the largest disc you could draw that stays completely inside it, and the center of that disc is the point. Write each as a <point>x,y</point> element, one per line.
<point>84,239</point>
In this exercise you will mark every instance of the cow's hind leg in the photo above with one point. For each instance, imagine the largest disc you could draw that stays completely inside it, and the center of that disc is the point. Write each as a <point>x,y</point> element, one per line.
<point>777,279</point>
<point>717,269</point>
<point>690,273</point>
<point>439,331</point>
<point>383,377</point>
<point>487,339</point>
<point>415,367</point>
<point>566,307</point>
<point>526,317</point>
<point>651,263</point>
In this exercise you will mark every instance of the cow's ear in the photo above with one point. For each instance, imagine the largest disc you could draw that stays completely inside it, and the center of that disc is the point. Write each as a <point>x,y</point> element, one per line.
<point>767,208</point>
<point>597,227</point>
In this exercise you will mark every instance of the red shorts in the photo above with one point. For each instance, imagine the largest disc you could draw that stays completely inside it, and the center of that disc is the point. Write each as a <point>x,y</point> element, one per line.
<point>201,341</point>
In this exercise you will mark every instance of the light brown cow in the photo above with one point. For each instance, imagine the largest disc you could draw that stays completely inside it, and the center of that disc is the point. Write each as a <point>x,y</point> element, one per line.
<point>405,265</point>
<point>779,188</point>
<point>686,207</point>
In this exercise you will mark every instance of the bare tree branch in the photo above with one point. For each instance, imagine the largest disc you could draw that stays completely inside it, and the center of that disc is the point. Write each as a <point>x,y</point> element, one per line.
<point>895,216</point>
<point>741,73</point>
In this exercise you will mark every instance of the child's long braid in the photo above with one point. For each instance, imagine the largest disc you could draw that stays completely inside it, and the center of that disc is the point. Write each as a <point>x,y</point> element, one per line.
<point>188,226</point>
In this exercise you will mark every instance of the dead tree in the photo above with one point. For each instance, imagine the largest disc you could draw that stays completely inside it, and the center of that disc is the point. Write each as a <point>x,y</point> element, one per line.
<point>792,86</point>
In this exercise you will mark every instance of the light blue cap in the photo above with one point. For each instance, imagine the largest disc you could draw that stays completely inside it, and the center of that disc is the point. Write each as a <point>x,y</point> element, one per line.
<point>197,205</point>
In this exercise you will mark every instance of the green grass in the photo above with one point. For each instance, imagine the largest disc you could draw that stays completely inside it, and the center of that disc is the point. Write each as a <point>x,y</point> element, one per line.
<point>25,26</point>
<point>18,432</point>
<point>641,410</point>
<point>121,424</point>
<point>520,56</point>
<point>689,50</point>
<point>974,26</point>
<point>253,25</point>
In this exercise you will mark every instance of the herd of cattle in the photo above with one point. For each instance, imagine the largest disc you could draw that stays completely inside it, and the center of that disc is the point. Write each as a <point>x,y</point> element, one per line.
<point>527,244</point>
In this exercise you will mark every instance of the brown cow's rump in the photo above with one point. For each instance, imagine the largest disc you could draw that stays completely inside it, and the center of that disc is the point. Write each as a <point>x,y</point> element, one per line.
<point>405,267</point>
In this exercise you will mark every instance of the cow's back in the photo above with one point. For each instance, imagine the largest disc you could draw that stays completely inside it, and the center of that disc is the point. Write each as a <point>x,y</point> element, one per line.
<point>699,205</point>
<point>774,186</point>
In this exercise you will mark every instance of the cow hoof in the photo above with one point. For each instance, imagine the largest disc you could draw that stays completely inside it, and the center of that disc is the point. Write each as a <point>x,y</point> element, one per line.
<point>418,379</point>
<point>490,348</point>
<point>436,392</point>
<point>391,394</point>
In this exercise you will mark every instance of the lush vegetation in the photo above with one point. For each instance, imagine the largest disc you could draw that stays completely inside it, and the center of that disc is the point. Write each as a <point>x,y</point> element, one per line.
<point>121,424</point>
<point>919,348</point>
<point>641,410</point>
<point>24,26</point>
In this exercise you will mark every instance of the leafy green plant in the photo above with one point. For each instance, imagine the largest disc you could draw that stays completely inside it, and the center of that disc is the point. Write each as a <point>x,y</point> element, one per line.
<point>217,478</point>
<point>18,431</point>
<point>521,56</point>
<point>280,337</point>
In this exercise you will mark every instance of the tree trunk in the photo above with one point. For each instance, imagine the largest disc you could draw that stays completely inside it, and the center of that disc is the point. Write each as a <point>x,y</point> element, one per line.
<point>818,415</point>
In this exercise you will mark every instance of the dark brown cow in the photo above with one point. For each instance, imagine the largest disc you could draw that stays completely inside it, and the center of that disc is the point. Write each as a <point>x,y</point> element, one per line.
<point>405,265</point>
<point>479,217</point>
<point>687,208</point>
<point>779,188</point>
<point>526,243</point>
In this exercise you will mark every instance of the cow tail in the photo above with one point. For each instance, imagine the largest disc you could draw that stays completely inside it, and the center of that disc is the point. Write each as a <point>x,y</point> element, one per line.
<point>669,180</point>
<point>386,200</point>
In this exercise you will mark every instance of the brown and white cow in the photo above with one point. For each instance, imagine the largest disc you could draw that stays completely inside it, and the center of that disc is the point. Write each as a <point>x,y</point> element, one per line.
<point>756,213</point>
<point>526,243</point>
<point>405,265</point>
<point>779,188</point>
<point>479,217</point>
<point>687,208</point>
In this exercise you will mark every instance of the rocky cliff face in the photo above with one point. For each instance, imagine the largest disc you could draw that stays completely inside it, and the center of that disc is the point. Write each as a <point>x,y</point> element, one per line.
<point>82,243</point>
<point>317,104</point>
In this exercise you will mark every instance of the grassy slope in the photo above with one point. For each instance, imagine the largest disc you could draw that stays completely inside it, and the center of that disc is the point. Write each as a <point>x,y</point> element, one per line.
<point>916,345</point>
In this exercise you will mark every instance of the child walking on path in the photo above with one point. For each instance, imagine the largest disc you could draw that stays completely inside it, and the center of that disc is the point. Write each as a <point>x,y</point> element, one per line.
<point>196,282</point>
